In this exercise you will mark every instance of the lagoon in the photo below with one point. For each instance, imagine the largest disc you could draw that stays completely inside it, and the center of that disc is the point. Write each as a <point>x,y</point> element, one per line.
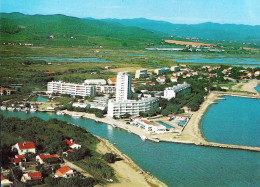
<point>232,61</point>
<point>174,164</point>
<point>235,120</point>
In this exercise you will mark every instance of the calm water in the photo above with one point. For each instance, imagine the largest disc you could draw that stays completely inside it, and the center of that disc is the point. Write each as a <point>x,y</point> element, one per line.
<point>174,164</point>
<point>233,61</point>
<point>235,120</point>
<point>258,88</point>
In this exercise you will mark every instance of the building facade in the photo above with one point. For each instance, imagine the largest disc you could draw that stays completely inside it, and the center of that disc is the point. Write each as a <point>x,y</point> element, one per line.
<point>71,89</point>
<point>106,89</point>
<point>161,71</point>
<point>95,82</point>
<point>142,73</point>
<point>123,86</point>
<point>132,107</point>
<point>171,92</point>
<point>175,68</point>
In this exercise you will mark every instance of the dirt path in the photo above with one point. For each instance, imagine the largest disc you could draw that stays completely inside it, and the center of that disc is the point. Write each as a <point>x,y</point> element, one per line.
<point>73,166</point>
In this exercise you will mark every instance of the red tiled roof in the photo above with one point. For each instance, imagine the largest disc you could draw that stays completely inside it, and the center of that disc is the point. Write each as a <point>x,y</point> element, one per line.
<point>69,142</point>
<point>4,89</point>
<point>64,169</point>
<point>19,156</point>
<point>48,156</point>
<point>26,145</point>
<point>112,79</point>
<point>50,72</point>
<point>70,150</point>
<point>35,175</point>
<point>16,160</point>
<point>2,177</point>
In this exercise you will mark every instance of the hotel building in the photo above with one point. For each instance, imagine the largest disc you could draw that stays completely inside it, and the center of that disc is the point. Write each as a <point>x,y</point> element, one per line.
<point>171,92</point>
<point>70,88</point>
<point>123,105</point>
<point>142,73</point>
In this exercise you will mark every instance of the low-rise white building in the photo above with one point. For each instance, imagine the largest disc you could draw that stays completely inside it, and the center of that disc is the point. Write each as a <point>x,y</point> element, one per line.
<point>72,144</point>
<point>95,82</point>
<point>132,107</point>
<point>161,79</point>
<point>150,126</point>
<point>171,92</point>
<point>25,147</point>
<point>71,89</point>
<point>106,89</point>
<point>64,172</point>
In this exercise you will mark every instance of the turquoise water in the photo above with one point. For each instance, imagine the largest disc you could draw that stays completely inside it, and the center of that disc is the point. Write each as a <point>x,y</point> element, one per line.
<point>235,120</point>
<point>258,88</point>
<point>41,99</point>
<point>174,164</point>
<point>233,61</point>
<point>165,124</point>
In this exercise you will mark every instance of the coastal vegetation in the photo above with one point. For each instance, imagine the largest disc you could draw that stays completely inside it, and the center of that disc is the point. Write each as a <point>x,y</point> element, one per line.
<point>48,137</point>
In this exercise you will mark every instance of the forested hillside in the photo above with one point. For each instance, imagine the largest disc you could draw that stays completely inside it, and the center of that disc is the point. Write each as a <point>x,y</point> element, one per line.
<point>68,31</point>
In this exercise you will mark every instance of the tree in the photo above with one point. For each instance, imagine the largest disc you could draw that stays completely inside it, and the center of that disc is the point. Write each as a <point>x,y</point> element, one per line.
<point>110,157</point>
<point>15,174</point>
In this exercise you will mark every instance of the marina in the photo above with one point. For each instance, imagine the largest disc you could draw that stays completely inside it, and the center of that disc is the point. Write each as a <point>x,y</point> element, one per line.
<point>181,164</point>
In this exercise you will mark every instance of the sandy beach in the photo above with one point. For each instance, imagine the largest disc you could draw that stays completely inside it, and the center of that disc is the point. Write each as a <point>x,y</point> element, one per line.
<point>247,87</point>
<point>126,170</point>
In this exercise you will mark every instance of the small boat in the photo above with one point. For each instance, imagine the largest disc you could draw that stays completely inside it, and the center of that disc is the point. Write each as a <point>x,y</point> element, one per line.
<point>60,113</point>
<point>129,131</point>
<point>114,125</point>
<point>76,115</point>
<point>143,137</point>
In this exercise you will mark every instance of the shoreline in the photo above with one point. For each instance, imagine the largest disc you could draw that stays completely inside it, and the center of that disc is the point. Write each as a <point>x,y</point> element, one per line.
<point>191,134</point>
<point>127,171</point>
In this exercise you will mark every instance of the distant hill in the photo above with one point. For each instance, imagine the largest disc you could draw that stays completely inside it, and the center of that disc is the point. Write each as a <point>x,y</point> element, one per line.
<point>64,30</point>
<point>211,31</point>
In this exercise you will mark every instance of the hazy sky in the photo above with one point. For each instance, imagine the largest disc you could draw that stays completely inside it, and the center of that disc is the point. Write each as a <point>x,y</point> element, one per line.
<point>175,11</point>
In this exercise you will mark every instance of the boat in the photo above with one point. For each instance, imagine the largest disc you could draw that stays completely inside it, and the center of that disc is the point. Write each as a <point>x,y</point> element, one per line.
<point>143,137</point>
<point>76,115</point>
<point>60,113</point>
<point>114,125</point>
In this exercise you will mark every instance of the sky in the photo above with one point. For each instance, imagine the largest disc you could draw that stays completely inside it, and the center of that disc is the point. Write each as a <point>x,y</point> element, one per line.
<point>175,11</point>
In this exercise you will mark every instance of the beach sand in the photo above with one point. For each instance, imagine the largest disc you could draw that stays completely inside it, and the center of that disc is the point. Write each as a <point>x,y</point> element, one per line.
<point>126,170</point>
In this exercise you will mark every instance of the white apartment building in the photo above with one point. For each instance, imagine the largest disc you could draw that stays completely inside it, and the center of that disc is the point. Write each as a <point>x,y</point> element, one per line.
<point>70,88</point>
<point>142,73</point>
<point>171,92</point>
<point>123,86</point>
<point>132,107</point>
<point>95,82</point>
<point>161,71</point>
<point>107,89</point>
<point>175,68</point>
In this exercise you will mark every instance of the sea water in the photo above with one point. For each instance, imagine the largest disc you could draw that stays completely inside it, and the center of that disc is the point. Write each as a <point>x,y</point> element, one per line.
<point>235,120</point>
<point>173,164</point>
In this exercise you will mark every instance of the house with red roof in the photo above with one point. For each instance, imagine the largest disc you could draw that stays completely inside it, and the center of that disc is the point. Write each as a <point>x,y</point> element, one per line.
<point>66,153</point>
<point>161,79</point>
<point>72,144</point>
<point>5,181</point>
<point>5,91</point>
<point>64,172</point>
<point>42,158</point>
<point>32,176</point>
<point>18,161</point>
<point>111,81</point>
<point>25,147</point>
